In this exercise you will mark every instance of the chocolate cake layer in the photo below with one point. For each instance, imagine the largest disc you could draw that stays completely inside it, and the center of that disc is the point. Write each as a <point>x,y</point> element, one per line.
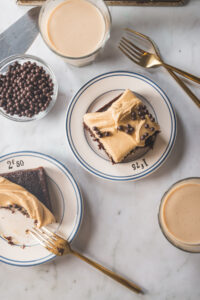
<point>34,181</point>
<point>106,106</point>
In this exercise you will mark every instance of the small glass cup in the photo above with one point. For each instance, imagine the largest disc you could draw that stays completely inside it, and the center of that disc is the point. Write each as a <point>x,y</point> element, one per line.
<point>45,12</point>
<point>33,59</point>
<point>188,247</point>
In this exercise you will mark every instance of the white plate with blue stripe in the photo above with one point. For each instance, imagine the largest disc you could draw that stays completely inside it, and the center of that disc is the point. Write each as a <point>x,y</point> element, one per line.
<point>100,91</point>
<point>66,203</point>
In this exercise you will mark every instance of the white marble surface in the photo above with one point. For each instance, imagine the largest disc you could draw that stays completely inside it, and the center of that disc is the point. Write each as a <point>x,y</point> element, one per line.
<point>120,227</point>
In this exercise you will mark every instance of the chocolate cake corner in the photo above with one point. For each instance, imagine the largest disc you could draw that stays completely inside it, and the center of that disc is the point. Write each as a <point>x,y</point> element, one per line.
<point>34,181</point>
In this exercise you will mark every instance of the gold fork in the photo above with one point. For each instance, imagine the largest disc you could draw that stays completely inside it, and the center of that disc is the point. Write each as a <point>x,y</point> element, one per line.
<point>60,246</point>
<point>149,60</point>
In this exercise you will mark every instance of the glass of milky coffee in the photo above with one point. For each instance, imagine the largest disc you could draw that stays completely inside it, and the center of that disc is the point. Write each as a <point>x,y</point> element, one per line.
<point>76,30</point>
<point>179,214</point>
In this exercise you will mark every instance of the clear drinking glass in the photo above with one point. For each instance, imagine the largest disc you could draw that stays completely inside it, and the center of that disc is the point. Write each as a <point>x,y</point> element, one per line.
<point>188,247</point>
<point>45,12</point>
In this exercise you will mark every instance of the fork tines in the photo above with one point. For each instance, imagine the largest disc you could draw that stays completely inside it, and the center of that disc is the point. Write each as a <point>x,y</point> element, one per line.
<point>44,236</point>
<point>129,48</point>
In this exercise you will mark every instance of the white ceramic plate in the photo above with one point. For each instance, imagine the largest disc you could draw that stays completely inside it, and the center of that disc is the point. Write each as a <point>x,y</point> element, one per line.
<point>96,93</point>
<point>66,203</point>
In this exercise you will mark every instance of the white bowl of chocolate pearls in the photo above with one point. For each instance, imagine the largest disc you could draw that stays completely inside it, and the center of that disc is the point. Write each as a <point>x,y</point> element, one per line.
<point>28,88</point>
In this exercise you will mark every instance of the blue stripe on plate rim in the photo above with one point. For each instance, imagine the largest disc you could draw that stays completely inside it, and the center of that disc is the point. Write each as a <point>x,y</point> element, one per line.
<point>112,177</point>
<point>79,199</point>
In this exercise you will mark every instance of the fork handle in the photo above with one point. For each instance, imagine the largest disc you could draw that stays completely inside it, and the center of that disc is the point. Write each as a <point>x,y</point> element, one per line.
<point>185,88</point>
<point>183,73</point>
<point>132,286</point>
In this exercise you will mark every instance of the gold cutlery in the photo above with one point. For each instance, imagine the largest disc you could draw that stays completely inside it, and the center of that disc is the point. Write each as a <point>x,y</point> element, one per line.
<point>59,246</point>
<point>148,60</point>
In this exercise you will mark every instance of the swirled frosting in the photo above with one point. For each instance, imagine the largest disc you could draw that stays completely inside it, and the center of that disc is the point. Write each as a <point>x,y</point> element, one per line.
<point>118,144</point>
<point>12,194</point>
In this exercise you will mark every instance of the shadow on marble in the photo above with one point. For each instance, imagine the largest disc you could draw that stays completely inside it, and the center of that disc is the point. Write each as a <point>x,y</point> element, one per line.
<point>110,55</point>
<point>194,87</point>
<point>82,239</point>
<point>60,106</point>
<point>176,155</point>
<point>87,227</point>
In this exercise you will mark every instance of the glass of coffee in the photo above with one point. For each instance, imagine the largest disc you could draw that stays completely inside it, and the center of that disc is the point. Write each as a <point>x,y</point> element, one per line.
<point>179,214</point>
<point>76,30</point>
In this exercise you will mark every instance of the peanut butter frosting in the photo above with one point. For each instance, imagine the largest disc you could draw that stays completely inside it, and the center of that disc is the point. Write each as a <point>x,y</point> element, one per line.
<point>12,194</point>
<point>125,125</point>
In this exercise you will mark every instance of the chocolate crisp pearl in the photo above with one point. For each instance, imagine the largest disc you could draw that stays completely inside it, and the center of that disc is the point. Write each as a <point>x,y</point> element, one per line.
<point>107,133</point>
<point>133,115</point>
<point>120,128</point>
<point>129,129</point>
<point>140,113</point>
<point>100,134</point>
<point>25,90</point>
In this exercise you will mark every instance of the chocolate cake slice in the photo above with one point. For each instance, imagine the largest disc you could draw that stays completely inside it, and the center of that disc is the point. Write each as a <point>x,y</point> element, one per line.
<point>34,181</point>
<point>123,128</point>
